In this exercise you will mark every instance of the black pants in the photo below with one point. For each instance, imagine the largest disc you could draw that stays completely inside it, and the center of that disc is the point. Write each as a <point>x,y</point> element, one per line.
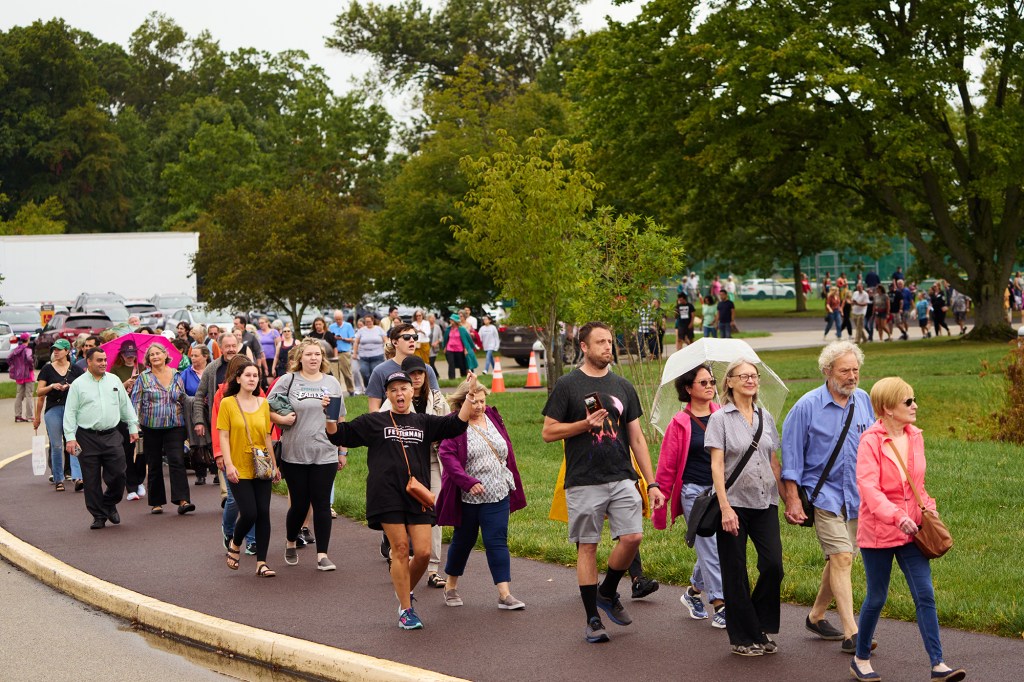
<point>456,360</point>
<point>751,613</point>
<point>433,359</point>
<point>102,461</point>
<point>309,484</point>
<point>170,443</point>
<point>253,499</point>
<point>135,467</point>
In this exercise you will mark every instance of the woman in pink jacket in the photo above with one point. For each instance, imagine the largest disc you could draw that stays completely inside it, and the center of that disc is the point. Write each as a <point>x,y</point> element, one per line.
<point>684,472</point>
<point>889,518</point>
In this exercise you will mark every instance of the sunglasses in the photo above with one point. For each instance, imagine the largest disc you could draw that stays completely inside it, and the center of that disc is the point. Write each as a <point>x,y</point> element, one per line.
<point>910,401</point>
<point>408,337</point>
<point>704,383</point>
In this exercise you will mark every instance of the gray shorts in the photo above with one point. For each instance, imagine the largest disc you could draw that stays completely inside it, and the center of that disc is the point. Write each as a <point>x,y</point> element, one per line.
<point>588,505</point>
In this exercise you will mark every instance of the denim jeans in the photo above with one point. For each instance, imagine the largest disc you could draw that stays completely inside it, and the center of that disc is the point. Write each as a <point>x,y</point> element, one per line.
<point>54,420</point>
<point>835,318</point>
<point>230,517</point>
<point>491,521</point>
<point>367,365</point>
<point>709,332</point>
<point>918,572</point>
<point>707,572</point>
<point>725,330</point>
<point>489,361</point>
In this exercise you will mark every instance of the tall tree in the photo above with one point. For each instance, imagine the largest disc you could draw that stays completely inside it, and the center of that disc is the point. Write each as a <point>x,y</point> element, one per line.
<point>917,111</point>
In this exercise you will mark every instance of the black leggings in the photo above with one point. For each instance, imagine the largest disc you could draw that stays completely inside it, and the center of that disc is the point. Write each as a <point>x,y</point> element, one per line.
<point>456,361</point>
<point>169,443</point>
<point>253,499</point>
<point>309,484</point>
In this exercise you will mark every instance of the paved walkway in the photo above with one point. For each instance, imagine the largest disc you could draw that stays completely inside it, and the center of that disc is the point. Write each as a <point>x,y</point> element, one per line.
<point>180,560</point>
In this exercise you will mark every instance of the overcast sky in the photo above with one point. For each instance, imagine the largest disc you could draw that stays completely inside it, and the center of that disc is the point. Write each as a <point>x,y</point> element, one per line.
<point>266,25</point>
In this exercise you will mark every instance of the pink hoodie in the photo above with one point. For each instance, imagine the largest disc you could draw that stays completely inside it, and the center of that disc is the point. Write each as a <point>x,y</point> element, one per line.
<point>885,496</point>
<point>671,463</point>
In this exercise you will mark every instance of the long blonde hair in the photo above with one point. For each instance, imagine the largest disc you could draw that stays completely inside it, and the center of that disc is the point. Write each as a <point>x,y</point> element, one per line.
<point>295,355</point>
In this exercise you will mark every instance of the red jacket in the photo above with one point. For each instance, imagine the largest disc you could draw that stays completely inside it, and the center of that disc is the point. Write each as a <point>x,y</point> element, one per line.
<point>671,464</point>
<point>885,495</point>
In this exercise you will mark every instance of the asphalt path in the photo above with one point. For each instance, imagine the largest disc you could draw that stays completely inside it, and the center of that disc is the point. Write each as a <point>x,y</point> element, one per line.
<point>181,560</point>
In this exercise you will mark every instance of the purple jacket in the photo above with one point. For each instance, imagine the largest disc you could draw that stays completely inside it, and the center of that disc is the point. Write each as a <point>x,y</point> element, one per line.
<point>21,364</point>
<point>454,479</point>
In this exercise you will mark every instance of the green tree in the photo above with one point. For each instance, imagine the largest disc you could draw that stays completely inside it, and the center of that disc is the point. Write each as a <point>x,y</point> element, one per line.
<point>917,112</point>
<point>523,214</point>
<point>32,218</point>
<point>290,248</point>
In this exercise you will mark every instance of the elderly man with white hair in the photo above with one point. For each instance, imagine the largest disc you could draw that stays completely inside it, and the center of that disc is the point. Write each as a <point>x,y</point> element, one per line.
<point>819,475</point>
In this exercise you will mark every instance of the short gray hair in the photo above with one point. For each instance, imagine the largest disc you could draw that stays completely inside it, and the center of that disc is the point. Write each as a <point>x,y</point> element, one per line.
<point>727,394</point>
<point>836,350</point>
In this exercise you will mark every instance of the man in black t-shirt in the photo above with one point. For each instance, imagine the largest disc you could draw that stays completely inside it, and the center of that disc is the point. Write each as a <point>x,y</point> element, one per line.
<point>597,414</point>
<point>685,312</point>
<point>725,316</point>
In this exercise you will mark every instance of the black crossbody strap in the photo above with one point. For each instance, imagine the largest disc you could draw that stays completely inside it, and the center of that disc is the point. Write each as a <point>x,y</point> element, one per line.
<point>835,455</point>
<point>750,451</point>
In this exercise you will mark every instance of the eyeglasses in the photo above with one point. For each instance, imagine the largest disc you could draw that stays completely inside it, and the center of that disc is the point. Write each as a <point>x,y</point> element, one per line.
<point>408,337</point>
<point>704,383</point>
<point>747,377</point>
<point>910,401</point>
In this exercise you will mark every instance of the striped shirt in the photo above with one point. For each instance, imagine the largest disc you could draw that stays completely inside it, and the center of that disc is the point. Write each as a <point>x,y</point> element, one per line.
<point>159,407</point>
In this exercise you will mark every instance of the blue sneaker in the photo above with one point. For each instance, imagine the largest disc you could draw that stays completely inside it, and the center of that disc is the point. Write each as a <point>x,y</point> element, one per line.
<point>694,605</point>
<point>614,609</point>
<point>718,621</point>
<point>408,620</point>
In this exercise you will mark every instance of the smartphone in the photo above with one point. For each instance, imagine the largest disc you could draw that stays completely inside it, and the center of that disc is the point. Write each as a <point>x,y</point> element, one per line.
<point>592,402</point>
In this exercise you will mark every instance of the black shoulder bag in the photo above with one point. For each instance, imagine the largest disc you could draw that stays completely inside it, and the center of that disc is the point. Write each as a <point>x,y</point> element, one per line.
<point>808,502</point>
<point>706,514</point>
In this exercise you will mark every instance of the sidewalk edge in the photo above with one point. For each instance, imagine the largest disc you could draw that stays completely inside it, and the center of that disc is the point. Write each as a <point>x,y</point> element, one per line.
<point>265,647</point>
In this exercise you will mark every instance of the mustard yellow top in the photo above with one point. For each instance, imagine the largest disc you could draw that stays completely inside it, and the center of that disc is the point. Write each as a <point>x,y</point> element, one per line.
<point>230,419</point>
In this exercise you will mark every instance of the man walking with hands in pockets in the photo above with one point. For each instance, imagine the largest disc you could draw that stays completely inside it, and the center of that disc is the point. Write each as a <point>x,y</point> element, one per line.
<point>597,414</point>
<point>819,459</point>
<point>97,402</point>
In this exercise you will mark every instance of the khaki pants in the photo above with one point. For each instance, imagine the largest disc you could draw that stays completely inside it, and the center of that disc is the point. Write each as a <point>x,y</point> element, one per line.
<point>341,367</point>
<point>858,328</point>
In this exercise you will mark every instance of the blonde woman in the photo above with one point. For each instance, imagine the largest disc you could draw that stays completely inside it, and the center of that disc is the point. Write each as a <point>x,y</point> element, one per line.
<point>309,461</point>
<point>834,312</point>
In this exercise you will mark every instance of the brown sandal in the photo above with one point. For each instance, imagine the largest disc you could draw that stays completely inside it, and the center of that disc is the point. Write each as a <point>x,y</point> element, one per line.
<point>59,487</point>
<point>233,557</point>
<point>264,571</point>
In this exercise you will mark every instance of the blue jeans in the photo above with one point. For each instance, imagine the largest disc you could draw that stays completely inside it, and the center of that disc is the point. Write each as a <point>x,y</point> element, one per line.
<point>54,420</point>
<point>230,517</point>
<point>918,572</point>
<point>490,520</point>
<point>835,318</point>
<point>367,365</point>
<point>709,332</point>
<point>489,361</point>
<point>725,330</point>
<point>707,572</point>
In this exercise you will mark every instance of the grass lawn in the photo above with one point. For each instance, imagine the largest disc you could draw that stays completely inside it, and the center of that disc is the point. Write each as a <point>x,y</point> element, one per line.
<point>780,307</point>
<point>976,481</point>
<point>8,389</point>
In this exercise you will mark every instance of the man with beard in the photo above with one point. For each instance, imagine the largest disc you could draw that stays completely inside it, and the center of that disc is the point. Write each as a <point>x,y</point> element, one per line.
<point>819,464</point>
<point>597,414</point>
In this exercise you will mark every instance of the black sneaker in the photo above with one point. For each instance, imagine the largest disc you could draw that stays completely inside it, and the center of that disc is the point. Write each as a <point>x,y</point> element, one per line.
<point>823,629</point>
<point>614,609</point>
<point>385,547</point>
<point>849,645</point>
<point>307,536</point>
<point>644,586</point>
<point>595,632</point>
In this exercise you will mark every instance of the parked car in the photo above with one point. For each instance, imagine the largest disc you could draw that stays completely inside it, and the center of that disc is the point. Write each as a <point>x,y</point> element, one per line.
<point>517,342</point>
<point>168,303</point>
<point>147,312</point>
<point>67,326</point>
<point>765,288</point>
<point>200,314</point>
<point>117,313</point>
<point>85,300</point>
<point>21,318</point>
<point>5,344</point>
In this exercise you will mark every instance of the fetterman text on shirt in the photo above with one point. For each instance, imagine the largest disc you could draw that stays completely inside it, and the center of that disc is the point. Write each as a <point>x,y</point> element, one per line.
<point>409,434</point>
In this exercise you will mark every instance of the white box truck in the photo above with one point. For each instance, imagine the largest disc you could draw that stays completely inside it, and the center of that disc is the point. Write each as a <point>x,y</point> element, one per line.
<point>57,267</point>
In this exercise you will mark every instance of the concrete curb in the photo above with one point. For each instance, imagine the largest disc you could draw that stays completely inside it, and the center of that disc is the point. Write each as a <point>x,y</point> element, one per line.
<point>268,648</point>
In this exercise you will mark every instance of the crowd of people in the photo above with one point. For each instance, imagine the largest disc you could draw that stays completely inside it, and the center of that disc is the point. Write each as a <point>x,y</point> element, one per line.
<point>251,419</point>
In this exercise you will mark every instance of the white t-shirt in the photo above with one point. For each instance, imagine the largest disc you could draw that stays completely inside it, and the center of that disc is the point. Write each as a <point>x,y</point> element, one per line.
<point>471,321</point>
<point>423,327</point>
<point>860,302</point>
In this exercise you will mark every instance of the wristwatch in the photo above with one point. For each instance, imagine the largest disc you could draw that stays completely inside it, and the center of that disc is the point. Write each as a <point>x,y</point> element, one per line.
<point>653,485</point>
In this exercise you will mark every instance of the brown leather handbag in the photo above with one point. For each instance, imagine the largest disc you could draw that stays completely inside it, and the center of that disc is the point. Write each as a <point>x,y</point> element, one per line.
<point>932,537</point>
<point>416,490</point>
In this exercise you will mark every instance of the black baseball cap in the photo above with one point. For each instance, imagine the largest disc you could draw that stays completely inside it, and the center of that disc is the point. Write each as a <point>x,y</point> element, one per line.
<point>397,376</point>
<point>413,363</point>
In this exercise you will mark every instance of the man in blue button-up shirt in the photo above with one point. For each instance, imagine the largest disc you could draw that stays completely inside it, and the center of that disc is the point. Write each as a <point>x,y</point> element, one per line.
<point>809,436</point>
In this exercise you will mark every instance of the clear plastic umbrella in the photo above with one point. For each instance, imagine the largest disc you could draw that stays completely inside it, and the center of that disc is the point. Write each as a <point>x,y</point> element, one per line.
<point>717,354</point>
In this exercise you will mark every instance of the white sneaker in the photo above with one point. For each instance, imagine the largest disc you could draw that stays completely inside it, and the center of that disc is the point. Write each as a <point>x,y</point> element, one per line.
<point>133,496</point>
<point>141,492</point>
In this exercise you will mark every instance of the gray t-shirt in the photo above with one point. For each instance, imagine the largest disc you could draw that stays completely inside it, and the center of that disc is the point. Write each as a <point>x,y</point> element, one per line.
<point>375,386</point>
<point>305,442</point>
<point>729,431</point>
<point>371,341</point>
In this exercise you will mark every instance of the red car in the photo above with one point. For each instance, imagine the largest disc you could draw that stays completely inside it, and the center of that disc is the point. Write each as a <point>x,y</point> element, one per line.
<point>67,326</point>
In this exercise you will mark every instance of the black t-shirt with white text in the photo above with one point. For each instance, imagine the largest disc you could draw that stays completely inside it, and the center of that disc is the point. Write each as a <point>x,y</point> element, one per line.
<point>684,315</point>
<point>602,457</point>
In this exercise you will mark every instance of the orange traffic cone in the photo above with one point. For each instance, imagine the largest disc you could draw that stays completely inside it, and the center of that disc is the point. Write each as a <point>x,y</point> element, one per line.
<point>497,381</point>
<point>532,375</point>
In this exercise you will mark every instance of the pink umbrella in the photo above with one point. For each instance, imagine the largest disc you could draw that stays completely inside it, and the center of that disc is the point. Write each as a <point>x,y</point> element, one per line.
<point>141,342</point>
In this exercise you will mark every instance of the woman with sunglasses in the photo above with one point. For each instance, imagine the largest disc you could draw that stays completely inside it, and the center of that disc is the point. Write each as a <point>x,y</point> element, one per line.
<point>684,468</point>
<point>749,510</point>
<point>282,345</point>
<point>888,520</point>
<point>404,339</point>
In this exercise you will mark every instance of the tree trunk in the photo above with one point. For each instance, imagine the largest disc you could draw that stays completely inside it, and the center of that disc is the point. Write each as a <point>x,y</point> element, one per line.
<point>801,297</point>
<point>552,353</point>
<point>989,315</point>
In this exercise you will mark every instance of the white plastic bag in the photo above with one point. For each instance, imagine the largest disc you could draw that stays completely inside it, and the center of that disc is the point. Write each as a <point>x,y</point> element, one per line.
<point>38,455</point>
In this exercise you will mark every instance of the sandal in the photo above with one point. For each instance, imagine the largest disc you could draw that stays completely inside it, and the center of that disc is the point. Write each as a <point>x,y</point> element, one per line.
<point>264,571</point>
<point>436,581</point>
<point>156,510</point>
<point>233,557</point>
<point>59,487</point>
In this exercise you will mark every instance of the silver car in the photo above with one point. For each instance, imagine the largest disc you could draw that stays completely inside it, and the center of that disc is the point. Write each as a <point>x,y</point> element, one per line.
<point>5,344</point>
